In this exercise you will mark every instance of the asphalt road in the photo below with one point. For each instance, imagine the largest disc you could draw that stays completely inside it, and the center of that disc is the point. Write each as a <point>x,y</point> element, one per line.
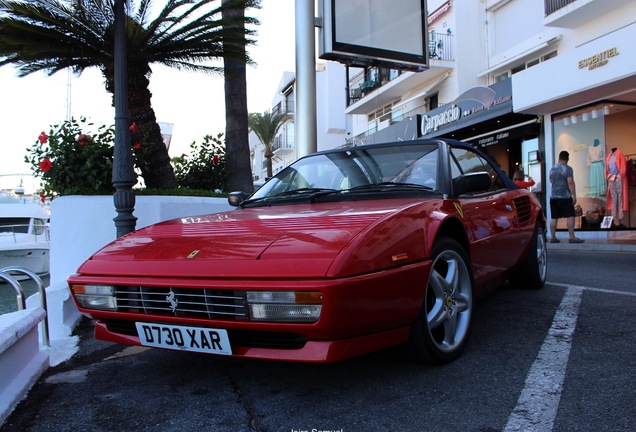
<point>561,359</point>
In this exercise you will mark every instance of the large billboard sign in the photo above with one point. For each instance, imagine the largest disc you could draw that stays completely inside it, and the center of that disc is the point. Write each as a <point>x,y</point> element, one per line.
<point>384,33</point>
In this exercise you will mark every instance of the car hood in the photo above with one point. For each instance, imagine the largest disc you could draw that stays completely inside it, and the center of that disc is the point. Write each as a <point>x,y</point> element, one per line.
<point>287,241</point>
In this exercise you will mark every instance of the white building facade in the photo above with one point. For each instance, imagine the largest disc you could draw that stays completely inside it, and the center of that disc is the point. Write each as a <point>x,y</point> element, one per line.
<point>587,97</point>
<point>330,127</point>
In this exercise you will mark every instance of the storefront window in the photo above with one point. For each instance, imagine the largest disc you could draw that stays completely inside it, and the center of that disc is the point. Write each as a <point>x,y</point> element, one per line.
<point>532,163</point>
<point>589,135</point>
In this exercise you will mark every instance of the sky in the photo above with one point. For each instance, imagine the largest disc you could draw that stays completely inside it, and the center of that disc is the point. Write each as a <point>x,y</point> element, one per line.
<point>194,103</point>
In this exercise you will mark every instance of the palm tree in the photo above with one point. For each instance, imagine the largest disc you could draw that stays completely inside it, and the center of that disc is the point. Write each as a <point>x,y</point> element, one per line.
<point>52,35</point>
<point>266,126</point>
<point>237,148</point>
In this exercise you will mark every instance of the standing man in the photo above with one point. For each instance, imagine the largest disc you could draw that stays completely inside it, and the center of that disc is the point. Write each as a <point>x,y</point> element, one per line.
<point>563,197</point>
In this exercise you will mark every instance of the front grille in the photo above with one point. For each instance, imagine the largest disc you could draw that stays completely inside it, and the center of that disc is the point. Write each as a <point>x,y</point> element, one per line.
<point>524,209</point>
<point>245,338</point>
<point>183,302</point>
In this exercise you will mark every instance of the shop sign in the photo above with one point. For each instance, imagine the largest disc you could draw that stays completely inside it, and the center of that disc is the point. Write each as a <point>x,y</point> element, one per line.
<point>432,123</point>
<point>598,60</point>
<point>526,128</point>
<point>492,139</point>
<point>475,105</point>
<point>494,103</point>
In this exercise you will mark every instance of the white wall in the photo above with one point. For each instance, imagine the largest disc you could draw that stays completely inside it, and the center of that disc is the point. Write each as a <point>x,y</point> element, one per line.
<point>21,361</point>
<point>512,23</point>
<point>613,17</point>
<point>470,45</point>
<point>80,225</point>
<point>330,101</point>
<point>561,77</point>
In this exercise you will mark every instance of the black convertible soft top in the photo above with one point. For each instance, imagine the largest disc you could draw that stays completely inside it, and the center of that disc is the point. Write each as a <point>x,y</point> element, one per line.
<point>452,142</point>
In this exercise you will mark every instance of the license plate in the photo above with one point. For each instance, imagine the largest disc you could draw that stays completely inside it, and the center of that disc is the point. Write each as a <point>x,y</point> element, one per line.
<point>197,339</point>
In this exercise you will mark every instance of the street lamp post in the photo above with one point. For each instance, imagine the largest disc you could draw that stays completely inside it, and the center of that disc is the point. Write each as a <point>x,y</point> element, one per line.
<point>306,128</point>
<point>124,177</point>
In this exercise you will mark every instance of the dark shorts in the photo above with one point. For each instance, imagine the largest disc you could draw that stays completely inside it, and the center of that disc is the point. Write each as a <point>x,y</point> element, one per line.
<point>561,208</point>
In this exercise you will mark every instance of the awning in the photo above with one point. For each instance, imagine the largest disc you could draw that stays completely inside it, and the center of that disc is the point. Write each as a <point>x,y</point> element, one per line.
<point>428,90</point>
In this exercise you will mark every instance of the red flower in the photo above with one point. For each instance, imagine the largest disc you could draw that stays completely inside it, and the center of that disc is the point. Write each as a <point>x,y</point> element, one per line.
<point>137,145</point>
<point>83,139</point>
<point>43,138</point>
<point>215,159</point>
<point>133,127</point>
<point>46,165</point>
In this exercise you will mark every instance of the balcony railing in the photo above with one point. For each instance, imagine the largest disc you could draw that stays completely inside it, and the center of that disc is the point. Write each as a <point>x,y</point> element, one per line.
<point>552,6</point>
<point>285,107</point>
<point>439,46</point>
<point>282,145</point>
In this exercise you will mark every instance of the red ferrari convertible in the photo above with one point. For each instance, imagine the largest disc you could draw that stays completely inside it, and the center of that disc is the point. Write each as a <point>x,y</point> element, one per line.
<point>344,252</point>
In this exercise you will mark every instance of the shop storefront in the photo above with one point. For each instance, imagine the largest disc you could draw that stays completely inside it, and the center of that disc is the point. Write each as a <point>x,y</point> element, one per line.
<point>588,99</point>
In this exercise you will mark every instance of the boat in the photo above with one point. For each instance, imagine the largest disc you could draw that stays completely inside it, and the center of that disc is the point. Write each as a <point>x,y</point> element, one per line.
<point>24,235</point>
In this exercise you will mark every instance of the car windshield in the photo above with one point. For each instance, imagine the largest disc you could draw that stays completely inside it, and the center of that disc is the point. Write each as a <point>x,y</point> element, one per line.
<point>356,168</point>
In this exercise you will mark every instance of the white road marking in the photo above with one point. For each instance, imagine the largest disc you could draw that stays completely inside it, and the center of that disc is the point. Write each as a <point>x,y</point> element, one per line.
<point>602,290</point>
<point>539,400</point>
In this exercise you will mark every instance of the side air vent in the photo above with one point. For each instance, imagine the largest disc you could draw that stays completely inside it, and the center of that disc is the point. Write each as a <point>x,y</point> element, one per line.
<point>523,207</point>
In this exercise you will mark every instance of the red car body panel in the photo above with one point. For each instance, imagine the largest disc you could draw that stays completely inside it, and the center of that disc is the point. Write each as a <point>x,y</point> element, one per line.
<point>303,244</point>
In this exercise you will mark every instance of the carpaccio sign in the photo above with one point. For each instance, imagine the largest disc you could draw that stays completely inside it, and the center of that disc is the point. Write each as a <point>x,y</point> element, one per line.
<point>478,100</point>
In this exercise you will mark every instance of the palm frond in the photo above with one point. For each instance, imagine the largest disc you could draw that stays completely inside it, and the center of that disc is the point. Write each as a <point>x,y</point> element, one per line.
<point>48,35</point>
<point>266,125</point>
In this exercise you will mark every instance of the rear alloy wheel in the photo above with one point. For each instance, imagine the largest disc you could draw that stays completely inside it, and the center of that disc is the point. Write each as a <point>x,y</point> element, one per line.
<point>533,272</point>
<point>441,331</point>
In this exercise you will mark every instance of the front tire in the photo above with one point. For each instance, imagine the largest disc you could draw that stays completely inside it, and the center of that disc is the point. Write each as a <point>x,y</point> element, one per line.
<point>441,330</point>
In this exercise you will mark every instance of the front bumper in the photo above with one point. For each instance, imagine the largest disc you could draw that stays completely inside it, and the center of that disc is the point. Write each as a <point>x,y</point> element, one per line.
<point>359,314</point>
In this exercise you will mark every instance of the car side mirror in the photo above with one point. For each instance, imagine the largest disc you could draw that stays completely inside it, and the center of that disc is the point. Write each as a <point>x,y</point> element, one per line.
<point>236,198</point>
<point>471,183</point>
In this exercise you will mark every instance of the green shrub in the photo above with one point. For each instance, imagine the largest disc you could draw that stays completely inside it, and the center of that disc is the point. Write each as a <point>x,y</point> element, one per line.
<point>205,167</point>
<point>74,158</point>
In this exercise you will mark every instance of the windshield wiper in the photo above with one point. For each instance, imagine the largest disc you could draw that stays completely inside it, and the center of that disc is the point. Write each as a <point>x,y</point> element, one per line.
<point>250,201</point>
<point>383,185</point>
<point>307,190</point>
<point>309,193</point>
<point>312,193</point>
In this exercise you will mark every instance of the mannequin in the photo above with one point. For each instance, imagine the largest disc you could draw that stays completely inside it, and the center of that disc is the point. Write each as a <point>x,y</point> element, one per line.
<point>615,173</point>
<point>596,165</point>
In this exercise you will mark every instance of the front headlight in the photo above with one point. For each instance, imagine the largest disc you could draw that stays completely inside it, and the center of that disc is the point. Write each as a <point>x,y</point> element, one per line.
<point>95,296</point>
<point>285,306</point>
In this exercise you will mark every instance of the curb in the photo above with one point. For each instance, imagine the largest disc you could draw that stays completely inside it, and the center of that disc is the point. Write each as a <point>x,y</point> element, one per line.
<point>592,246</point>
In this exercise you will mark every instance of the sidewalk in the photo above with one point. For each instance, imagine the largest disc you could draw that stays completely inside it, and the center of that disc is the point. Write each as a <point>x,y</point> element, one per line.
<point>615,241</point>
